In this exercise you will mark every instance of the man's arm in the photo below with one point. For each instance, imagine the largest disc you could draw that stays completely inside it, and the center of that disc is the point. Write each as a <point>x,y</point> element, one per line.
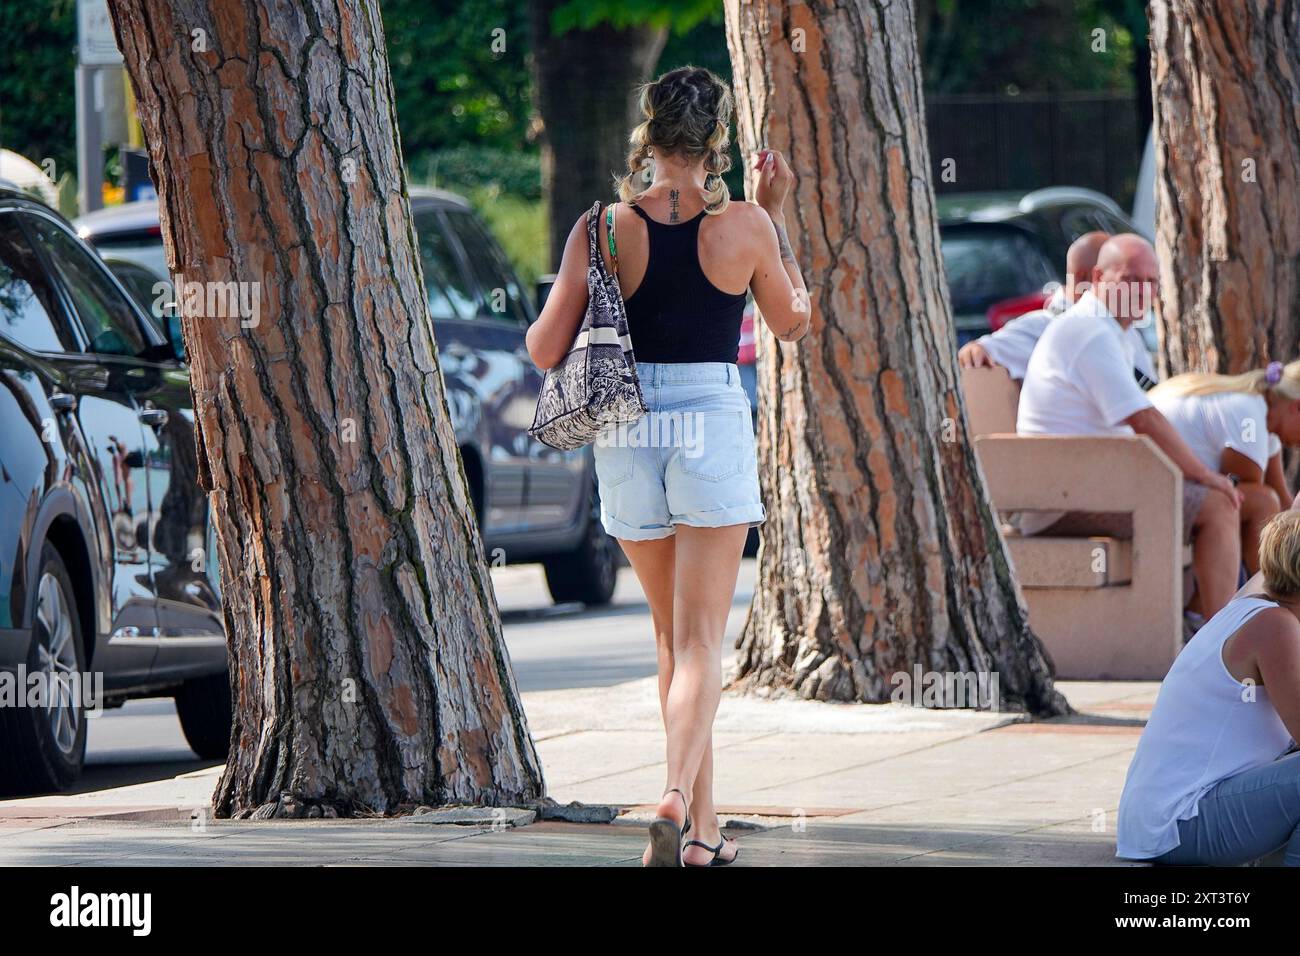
<point>1150,422</point>
<point>1009,347</point>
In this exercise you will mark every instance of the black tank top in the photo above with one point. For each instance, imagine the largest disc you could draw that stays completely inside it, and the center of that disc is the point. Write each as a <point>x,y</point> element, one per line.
<point>676,314</point>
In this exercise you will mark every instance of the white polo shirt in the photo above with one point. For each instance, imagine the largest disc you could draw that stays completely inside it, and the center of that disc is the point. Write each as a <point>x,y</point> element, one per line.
<point>1079,380</point>
<point>1211,423</point>
<point>1013,344</point>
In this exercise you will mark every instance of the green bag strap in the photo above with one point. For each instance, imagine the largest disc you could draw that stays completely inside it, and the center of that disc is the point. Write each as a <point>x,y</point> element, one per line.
<point>609,227</point>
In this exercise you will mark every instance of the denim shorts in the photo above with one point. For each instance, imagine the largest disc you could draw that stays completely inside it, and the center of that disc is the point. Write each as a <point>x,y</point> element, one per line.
<point>691,460</point>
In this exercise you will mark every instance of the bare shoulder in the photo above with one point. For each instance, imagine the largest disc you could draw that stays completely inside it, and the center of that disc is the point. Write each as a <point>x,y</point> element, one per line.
<point>574,257</point>
<point>1274,629</point>
<point>749,223</point>
<point>749,213</point>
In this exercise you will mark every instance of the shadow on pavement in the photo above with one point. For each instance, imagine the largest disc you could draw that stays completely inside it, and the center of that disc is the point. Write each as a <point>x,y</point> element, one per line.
<point>105,776</point>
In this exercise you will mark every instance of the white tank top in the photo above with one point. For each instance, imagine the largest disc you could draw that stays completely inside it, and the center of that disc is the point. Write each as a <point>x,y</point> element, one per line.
<point>1206,726</point>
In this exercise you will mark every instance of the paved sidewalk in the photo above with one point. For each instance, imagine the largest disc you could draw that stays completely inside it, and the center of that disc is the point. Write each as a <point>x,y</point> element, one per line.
<point>800,782</point>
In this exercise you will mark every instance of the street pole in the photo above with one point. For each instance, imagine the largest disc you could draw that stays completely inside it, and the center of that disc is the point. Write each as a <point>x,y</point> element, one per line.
<point>90,146</point>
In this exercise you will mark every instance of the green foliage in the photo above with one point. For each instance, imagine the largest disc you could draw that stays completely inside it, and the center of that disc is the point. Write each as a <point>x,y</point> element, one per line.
<point>678,15</point>
<point>994,46</point>
<point>37,101</point>
<point>459,71</point>
<point>466,167</point>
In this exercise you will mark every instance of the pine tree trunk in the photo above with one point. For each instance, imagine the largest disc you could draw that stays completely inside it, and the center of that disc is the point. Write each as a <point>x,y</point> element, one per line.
<point>1226,80</point>
<point>880,552</point>
<point>585,84</point>
<point>368,667</point>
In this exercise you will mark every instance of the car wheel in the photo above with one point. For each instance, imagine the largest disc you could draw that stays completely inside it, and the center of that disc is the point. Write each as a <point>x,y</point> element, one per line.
<point>203,705</point>
<point>589,572</point>
<point>43,748</point>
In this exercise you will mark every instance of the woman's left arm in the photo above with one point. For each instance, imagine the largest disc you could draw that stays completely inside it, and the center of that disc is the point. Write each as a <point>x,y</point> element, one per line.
<point>549,338</point>
<point>1278,660</point>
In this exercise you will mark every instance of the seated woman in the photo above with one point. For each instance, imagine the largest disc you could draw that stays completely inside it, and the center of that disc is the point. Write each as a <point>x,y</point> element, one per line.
<point>1213,781</point>
<point>1237,425</point>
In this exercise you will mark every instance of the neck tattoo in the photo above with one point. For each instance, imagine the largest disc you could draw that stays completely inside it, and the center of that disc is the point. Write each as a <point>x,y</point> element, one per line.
<point>673,215</point>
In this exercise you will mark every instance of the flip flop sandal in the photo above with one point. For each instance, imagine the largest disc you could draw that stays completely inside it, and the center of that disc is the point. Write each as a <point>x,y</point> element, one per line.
<point>715,850</point>
<point>666,836</point>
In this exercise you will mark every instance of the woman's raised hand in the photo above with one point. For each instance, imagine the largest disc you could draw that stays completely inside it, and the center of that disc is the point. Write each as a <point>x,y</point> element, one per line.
<point>774,180</point>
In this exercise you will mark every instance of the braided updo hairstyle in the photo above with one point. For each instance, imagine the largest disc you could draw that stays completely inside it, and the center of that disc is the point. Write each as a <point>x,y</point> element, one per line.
<point>687,113</point>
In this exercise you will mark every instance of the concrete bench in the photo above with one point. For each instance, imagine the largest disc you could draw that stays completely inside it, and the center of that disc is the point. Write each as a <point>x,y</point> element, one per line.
<point>1106,608</point>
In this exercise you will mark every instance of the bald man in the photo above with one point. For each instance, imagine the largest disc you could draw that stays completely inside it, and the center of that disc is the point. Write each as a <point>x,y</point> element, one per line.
<point>1011,345</point>
<point>1080,382</point>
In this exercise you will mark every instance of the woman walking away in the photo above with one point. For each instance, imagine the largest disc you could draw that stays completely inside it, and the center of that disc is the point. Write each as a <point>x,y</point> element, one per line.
<point>679,489</point>
<point>1214,781</point>
<point>1238,425</point>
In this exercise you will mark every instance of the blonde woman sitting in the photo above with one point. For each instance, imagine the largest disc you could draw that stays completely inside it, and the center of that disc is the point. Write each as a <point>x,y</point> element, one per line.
<point>1237,425</point>
<point>1215,781</point>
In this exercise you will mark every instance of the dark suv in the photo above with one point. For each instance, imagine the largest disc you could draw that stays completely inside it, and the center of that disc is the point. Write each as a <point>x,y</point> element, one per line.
<point>107,565</point>
<point>534,504</point>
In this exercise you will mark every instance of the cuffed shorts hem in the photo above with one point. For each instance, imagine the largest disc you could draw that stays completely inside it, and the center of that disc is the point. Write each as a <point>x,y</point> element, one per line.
<point>620,529</point>
<point>751,515</point>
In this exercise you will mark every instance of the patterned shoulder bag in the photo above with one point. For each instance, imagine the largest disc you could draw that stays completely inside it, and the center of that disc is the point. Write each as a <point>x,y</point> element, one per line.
<point>595,385</point>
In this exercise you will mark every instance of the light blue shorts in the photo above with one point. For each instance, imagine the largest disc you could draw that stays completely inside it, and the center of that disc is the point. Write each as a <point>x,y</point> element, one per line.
<point>691,460</point>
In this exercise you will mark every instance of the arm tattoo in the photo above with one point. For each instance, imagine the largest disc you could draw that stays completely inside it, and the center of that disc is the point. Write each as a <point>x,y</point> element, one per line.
<point>673,197</point>
<point>793,331</point>
<point>787,253</point>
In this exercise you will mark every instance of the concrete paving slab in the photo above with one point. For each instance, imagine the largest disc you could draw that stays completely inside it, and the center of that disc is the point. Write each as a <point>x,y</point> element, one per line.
<point>635,706</point>
<point>830,784</point>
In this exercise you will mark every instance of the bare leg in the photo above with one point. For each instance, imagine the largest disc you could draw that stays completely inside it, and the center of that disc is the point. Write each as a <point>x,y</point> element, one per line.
<point>705,825</point>
<point>653,563</point>
<point>1216,554</point>
<point>1259,504</point>
<point>707,562</point>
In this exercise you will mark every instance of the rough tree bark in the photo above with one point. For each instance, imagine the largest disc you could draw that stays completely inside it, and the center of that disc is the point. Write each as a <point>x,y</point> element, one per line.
<point>585,83</point>
<point>1226,86</point>
<point>880,551</point>
<point>368,667</point>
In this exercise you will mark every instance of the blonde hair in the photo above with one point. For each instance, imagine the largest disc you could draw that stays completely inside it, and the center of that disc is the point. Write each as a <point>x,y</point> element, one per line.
<point>1251,383</point>
<point>687,113</point>
<point>1279,554</point>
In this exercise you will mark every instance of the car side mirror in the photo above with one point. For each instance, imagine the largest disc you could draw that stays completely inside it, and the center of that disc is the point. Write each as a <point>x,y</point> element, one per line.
<point>543,290</point>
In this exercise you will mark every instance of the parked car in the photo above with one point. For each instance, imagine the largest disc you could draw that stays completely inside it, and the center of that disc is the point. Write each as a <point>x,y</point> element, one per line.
<point>107,564</point>
<point>533,503</point>
<point>1003,251</point>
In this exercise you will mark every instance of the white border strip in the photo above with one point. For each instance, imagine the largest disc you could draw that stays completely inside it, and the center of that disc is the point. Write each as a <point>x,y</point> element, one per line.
<point>602,336</point>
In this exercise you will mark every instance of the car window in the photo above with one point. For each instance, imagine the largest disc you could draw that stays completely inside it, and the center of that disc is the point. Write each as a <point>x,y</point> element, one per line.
<point>450,294</point>
<point>1113,224</point>
<point>501,296</point>
<point>1077,222</point>
<point>141,283</point>
<point>109,321</point>
<point>145,250</point>
<point>987,265</point>
<point>28,307</point>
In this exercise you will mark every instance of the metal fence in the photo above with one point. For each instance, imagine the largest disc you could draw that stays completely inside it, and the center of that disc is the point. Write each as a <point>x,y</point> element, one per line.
<point>1029,141</point>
